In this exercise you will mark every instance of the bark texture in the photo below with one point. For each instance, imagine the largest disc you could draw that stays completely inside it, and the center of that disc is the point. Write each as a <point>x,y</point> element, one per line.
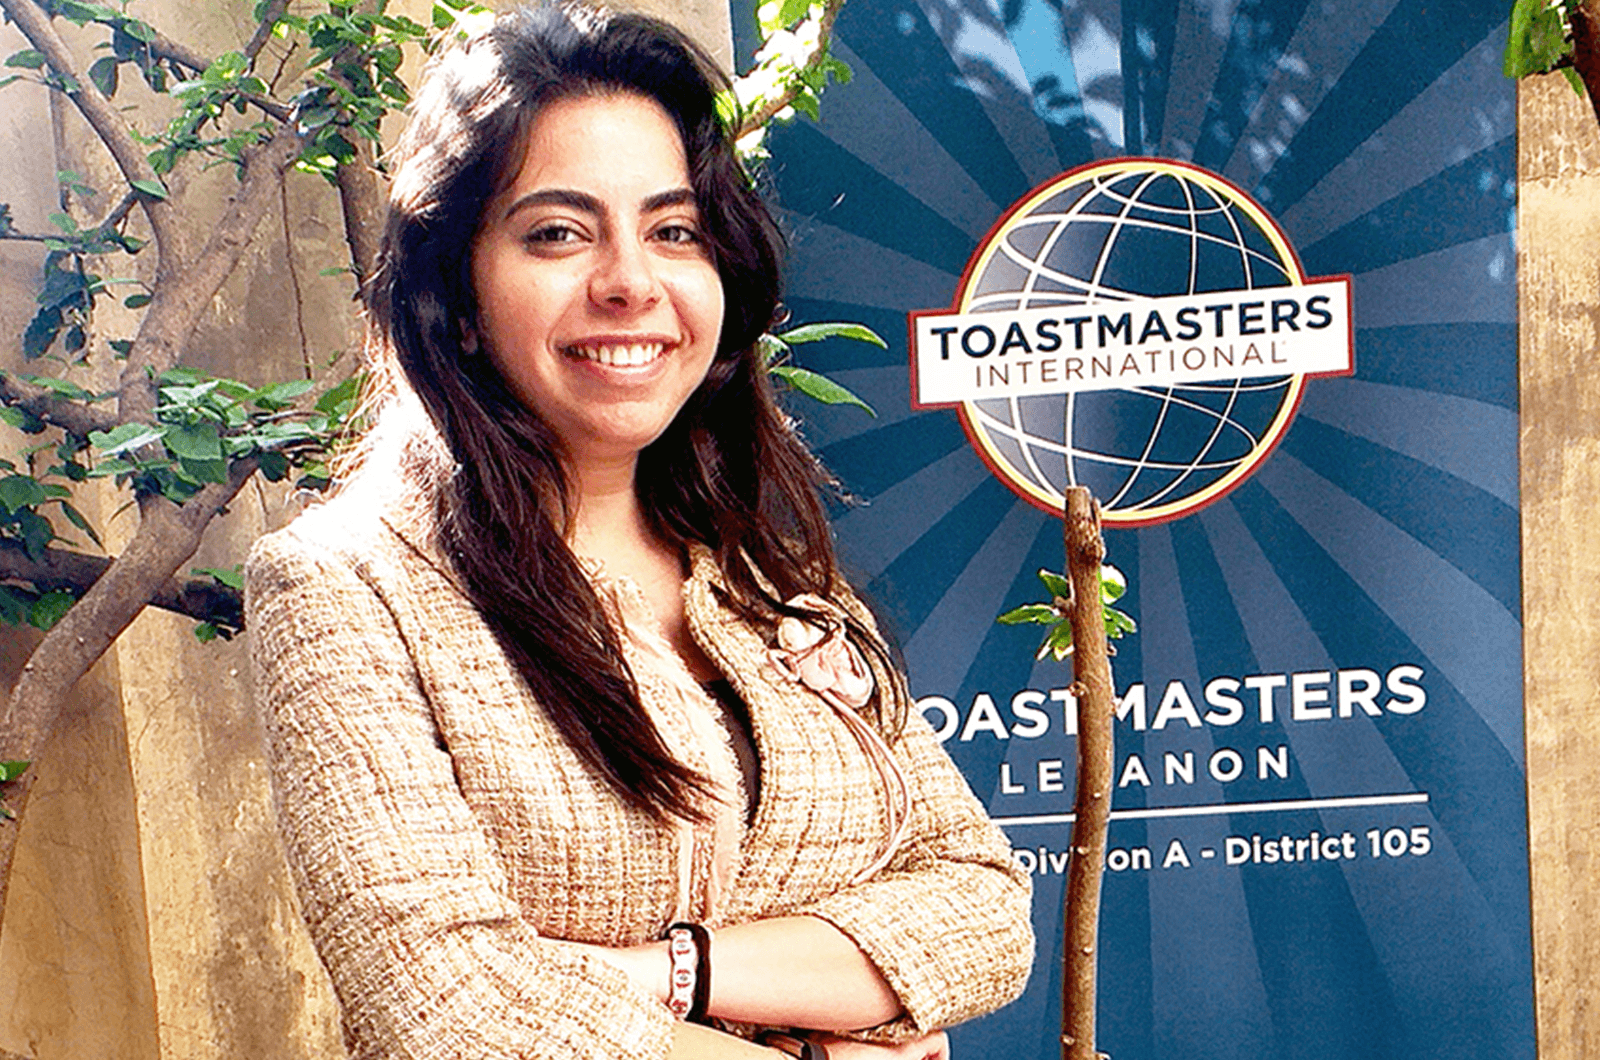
<point>1091,665</point>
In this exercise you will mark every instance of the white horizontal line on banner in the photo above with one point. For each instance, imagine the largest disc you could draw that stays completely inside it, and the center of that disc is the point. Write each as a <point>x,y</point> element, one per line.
<point>1346,802</point>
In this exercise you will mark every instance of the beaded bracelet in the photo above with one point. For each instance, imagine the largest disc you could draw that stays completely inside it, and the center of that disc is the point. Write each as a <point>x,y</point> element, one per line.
<point>689,986</point>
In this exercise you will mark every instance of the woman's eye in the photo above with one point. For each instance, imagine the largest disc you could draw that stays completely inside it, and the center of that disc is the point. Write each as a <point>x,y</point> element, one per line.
<point>678,234</point>
<point>551,233</point>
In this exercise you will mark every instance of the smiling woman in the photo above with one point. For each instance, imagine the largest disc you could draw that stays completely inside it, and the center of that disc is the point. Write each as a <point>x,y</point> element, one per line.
<point>577,731</point>
<point>598,300</point>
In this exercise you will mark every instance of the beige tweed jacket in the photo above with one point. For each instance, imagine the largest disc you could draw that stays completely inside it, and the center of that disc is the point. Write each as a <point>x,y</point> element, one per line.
<point>442,834</point>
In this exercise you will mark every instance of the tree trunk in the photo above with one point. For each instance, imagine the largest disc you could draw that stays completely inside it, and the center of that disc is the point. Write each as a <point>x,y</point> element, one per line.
<point>167,536</point>
<point>1092,803</point>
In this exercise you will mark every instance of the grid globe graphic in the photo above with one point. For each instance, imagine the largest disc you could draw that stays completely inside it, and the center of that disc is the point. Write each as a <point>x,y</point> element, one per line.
<point>1108,232</point>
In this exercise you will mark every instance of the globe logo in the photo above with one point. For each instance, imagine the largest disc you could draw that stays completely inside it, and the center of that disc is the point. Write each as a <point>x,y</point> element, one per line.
<point>1106,233</point>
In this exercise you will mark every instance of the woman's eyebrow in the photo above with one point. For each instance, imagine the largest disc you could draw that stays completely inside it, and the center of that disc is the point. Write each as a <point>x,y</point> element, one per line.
<point>577,200</point>
<point>662,199</point>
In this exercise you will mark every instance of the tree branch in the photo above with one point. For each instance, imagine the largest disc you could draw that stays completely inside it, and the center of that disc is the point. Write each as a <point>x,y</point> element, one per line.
<point>164,47</point>
<point>763,114</point>
<point>118,212</point>
<point>365,205</point>
<point>1091,668</point>
<point>71,416</point>
<point>263,33</point>
<point>106,123</point>
<point>201,599</point>
<point>167,536</point>
<point>179,303</point>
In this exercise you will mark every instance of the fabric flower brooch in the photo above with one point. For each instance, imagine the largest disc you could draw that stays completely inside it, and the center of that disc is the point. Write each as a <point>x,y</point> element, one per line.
<point>826,662</point>
<point>823,660</point>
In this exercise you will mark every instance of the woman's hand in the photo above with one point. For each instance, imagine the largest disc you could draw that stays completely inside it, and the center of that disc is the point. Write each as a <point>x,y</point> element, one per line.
<point>935,1046</point>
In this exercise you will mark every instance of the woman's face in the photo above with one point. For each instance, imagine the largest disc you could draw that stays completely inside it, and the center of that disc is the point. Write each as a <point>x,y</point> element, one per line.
<point>597,297</point>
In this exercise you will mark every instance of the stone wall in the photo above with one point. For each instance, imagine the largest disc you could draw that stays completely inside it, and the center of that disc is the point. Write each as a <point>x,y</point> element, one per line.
<point>1558,238</point>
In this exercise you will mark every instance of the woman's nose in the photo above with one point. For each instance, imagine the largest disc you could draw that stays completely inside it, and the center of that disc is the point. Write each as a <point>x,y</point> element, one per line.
<point>625,278</point>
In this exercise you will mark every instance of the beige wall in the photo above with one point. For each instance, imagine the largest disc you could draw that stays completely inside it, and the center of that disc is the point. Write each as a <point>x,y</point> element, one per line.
<point>150,915</point>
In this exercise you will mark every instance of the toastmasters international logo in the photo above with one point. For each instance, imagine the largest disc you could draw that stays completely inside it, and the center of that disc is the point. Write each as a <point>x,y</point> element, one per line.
<point>1141,327</point>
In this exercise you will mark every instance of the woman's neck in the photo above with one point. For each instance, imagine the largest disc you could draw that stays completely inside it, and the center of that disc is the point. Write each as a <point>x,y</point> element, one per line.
<point>610,525</point>
<point>608,522</point>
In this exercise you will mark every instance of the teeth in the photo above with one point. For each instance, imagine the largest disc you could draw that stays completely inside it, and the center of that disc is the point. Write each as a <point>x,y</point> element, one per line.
<point>630,356</point>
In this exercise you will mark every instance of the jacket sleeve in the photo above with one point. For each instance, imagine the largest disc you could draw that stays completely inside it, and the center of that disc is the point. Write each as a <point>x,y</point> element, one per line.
<point>406,901</point>
<point>948,920</point>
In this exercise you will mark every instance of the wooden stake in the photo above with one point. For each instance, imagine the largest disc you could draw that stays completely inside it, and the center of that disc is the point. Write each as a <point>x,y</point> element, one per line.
<point>1091,667</point>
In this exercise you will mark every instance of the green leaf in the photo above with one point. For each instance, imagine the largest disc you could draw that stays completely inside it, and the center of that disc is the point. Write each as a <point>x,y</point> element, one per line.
<point>832,330</point>
<point>13,770</point>
<point>76,518</point>
<point>1056,584</point>
<point>41,332</point>
<point>27,59</point>
<point>1038,614</point>
<point>181,377</point>
<point>232,577</point>
<point>108,468</point>
<point>37,533</point>
<point>337,401</point>
<point>21,491</point>
<point>279,396</point>
<point>772,348</point>
<point>203,470</point>
<point>1112,583</point>
<point>792,11</point>
<point>136,301</point>
<point>315,117</point>
<point>819,387</point>
<point>199,442</point>
<point>125,437</point>
<point>273,466</point>
<point>206,632</point>
<point>14,604</point>
<point>1537,38</point>
<point>64,387</point>
<point>50,608</point>
<point>104,74</point>
<point>1118,623</point>
<point>1058,642</point>
<point>153,188</point>
<point>21,419</point>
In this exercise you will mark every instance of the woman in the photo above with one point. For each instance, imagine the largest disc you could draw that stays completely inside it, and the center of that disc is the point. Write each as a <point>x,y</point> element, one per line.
<point>568,660</point>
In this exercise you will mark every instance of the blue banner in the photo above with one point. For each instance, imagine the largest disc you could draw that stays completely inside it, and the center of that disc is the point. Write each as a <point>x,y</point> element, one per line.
<point>1319,837</point>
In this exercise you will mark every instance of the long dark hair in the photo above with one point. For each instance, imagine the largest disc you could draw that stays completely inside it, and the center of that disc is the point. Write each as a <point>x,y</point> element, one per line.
<point>728,473</point>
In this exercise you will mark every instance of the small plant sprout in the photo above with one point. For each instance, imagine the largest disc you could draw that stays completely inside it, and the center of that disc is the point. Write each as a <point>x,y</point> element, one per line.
<point>1058,637</point>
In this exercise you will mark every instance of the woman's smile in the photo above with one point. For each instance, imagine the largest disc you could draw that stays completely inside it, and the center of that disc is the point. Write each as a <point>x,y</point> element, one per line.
<point>598,300</point>
<point>617,355</point>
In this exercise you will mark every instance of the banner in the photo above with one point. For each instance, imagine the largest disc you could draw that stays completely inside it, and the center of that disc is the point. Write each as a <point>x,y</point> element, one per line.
<point>1246,270</point>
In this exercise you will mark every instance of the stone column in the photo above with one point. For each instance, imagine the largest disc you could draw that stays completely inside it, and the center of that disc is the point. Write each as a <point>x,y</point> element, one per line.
<point>1558,239</point>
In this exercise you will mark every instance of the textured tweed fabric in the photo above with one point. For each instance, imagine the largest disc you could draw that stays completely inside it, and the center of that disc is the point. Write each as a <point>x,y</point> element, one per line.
<point>443,836</point>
